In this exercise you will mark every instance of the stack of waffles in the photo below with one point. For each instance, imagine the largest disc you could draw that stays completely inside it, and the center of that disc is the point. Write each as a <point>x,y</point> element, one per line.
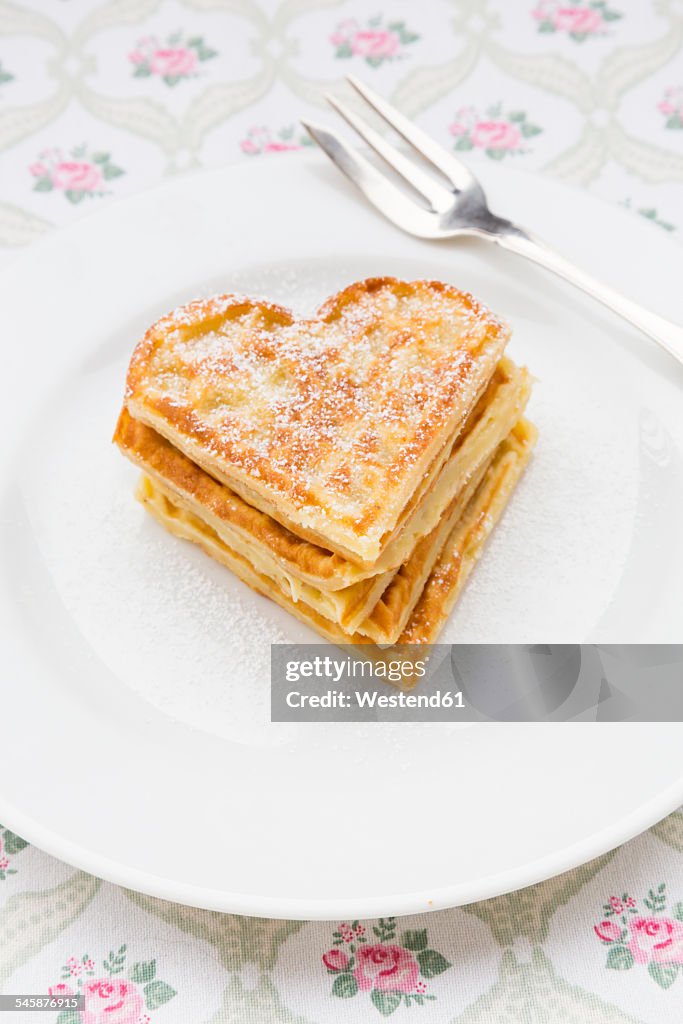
<point>350,466</point>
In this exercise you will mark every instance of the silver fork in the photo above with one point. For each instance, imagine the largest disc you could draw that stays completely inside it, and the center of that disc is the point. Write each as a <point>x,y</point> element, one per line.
<point>459,208</point>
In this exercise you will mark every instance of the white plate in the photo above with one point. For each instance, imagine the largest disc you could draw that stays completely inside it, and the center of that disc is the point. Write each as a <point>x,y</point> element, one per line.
<point>136,740</point>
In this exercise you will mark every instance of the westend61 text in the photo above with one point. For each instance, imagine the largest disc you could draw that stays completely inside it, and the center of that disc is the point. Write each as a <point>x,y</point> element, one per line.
<point>372,699</point>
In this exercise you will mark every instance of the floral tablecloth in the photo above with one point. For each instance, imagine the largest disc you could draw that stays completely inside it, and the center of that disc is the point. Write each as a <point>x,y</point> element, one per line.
<point>99,99</point>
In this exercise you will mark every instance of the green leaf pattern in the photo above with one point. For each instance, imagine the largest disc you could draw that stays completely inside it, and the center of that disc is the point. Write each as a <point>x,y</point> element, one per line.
<point>10,845</point>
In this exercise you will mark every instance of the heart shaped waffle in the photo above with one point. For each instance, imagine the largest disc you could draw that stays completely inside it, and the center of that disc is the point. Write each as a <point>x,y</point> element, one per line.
<point>333,426</point>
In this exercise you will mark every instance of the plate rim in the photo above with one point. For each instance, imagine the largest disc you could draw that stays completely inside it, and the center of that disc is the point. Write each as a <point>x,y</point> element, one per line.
<point>568,858</point>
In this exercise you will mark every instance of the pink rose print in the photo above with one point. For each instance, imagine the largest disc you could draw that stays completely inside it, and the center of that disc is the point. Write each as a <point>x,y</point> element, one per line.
<point>387,968</point>
<point>111,1000</point>
<point>656,939</point>
<point>60,990</point>
<point>672,107</point>
<point>260,140</point>
<point>608,931</point>
<point>653,940</point>
<point>335,960</point>
<point>497,133</point>
<point>393,970</point>
<point>375,44</point>
<point>77,175</point>
<point>174,63</point>
<point>113,992</point>
<point>579,21</point>
<point>375,41</point>
<point>175,59</point>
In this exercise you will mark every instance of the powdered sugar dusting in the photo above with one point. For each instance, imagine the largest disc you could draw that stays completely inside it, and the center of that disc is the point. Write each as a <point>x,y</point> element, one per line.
<point>332,414</point>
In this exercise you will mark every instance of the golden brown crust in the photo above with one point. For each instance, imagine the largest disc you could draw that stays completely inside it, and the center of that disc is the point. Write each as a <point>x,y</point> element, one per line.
<point>460,552</point>
<point>390,615</point>
<point>328,425</point>
<point>229,514</point>
<point>377,607</point>
<point>163,462</point>
<point>466,541</point>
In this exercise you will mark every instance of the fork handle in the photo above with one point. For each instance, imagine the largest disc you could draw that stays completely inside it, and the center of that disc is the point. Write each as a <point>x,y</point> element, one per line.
<point>666,333</point>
